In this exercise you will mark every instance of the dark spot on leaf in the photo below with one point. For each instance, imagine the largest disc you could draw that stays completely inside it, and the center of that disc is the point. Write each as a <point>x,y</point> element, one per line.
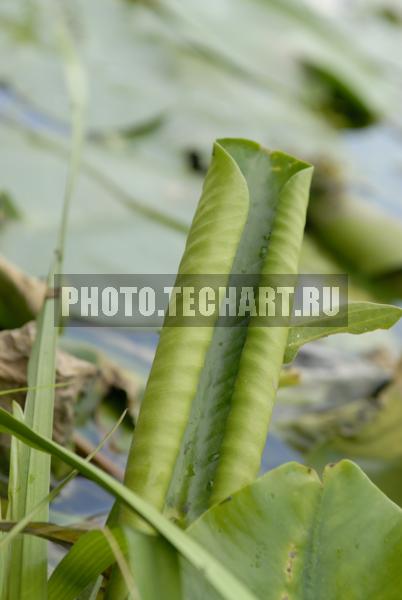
<point>292,555</point>
<point>8,210</point>
<point>390,14</point>
<point>195,162</point>
<point>342,104</point>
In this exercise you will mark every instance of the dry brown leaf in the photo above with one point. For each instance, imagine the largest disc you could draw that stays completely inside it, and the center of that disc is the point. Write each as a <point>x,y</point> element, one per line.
<point>76,376</point>
<point>15,349</point>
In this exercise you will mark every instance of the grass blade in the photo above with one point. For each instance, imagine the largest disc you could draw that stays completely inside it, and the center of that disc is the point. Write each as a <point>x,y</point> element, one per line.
<point>24,522</point>
<point>9,579</point>
<point>29,555</point>
<point>122,564</point>
<point>224,582</point>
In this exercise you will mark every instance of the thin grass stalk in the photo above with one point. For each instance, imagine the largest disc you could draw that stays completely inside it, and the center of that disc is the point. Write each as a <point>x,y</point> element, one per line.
<point>28,578</point>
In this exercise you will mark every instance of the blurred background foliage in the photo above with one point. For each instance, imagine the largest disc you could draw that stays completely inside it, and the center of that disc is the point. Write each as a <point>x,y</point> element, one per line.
<point>321,79</point>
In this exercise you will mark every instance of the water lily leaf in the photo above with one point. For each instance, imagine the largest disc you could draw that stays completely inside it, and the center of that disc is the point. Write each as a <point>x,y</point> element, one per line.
<point>297,537</point>
<point>170,49</point>
<point>112,202</point>
<point>121,101</point>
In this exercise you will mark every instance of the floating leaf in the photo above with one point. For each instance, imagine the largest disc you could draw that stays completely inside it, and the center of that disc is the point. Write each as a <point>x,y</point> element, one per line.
<point>297,537</point>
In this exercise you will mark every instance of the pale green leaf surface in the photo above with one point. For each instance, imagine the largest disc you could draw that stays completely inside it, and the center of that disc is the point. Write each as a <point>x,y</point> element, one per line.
<point>290,536</point>
<point>257,379</point>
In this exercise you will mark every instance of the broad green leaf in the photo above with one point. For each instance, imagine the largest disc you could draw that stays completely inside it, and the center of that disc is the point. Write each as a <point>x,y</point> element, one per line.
<point>108,205</point>
<point>222,580</point>
<point>206,409</point>
<point>290,536</point>
<point>118,102</point>
<point>361,318</point>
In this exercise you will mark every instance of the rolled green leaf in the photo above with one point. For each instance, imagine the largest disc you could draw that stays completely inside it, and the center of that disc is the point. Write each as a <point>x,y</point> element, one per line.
<point>261,360</point>
<point>194,435</point>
